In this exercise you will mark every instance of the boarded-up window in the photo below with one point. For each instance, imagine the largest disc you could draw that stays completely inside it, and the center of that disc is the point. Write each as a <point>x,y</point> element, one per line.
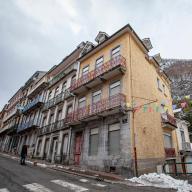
<point>114,139</point>
<point>167,140</point>
<point>93,141</point>
<point>59,115</point>
<point>115,88</point>
<point>115,52</point>
<point>96,96</point>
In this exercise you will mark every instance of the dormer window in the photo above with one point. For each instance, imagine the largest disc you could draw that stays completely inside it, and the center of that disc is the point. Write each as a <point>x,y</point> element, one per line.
<point>101,37</point>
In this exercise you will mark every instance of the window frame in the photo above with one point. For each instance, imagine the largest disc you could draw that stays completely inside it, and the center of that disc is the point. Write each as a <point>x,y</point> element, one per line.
<point>100,93</point>
<point>113,55</point>
<point>93,132</point>
<point>114,87</point>
<point>83,100</point>
<point>83,72</point>
<point>109,132</point>
<point>96,64</point>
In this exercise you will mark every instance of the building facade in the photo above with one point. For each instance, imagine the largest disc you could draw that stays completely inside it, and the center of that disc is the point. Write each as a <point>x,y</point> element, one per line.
<point>111,128</point>
<point>54,135</point>
<point>33,100</point>
<point>106,106</point>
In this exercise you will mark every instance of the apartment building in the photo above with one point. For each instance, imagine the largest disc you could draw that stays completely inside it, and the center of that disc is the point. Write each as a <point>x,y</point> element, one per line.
<point>11,116</point>
<point>33,100</point>
<point>114,126</point>
<point>54,135</point>
<point>185,146</point>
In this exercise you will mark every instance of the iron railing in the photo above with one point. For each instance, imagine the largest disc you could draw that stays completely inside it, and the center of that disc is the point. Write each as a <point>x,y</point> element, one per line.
<point>32,104</point>
<point>118,61</point>
<point>167,118</point>
<point>96,108</point>
<point>58,125</point>
<point>170,152</point>
<point>186,146</point>
<point>57,99</point>
<point>26,125</point>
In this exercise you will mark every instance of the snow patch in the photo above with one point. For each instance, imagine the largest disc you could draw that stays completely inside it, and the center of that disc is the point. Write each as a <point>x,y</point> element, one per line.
<point>162,181</point>
<point>83,180</point>
<point>41,165</point>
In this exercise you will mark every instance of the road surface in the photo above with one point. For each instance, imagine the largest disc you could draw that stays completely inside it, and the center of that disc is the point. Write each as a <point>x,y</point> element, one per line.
<point>17,178</point>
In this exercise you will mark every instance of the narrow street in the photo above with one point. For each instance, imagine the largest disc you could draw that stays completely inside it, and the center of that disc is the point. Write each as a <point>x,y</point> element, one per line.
<point>17,178</point>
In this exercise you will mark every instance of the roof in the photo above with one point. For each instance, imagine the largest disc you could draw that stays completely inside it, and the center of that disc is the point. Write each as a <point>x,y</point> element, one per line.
<point>126,28</point>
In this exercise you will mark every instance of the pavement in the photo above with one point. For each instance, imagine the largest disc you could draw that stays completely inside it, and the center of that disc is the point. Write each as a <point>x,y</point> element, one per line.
<point>17,178</point>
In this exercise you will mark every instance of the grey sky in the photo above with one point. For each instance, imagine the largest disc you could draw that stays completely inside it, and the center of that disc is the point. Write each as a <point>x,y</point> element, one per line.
<point>37,34</point>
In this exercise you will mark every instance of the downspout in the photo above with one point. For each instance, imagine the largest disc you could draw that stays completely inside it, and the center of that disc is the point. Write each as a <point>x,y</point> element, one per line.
<point>133,112</point>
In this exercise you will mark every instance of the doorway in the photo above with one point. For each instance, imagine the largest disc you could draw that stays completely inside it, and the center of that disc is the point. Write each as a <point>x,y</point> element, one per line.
<point>78,145</point>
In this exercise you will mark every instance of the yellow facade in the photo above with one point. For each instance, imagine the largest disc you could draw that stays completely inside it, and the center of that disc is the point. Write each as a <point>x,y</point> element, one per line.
<point>139,84</point>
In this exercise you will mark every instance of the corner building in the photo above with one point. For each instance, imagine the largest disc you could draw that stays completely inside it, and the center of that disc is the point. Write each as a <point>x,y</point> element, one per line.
<point>109,133</point>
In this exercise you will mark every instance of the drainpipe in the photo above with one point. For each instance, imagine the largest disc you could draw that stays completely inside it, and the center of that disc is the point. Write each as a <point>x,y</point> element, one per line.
<point>133,112</point>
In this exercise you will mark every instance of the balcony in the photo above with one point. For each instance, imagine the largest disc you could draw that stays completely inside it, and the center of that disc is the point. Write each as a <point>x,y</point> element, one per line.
<point>52,102</point>
<point>27,125</point>
<point>106,71</point>
<point>58,125</point>
<point>186,146</point>
<point>38,102</point>
<point>39,85</point>
<point>101,108</point>
<point>15,111</point>
<point>170,153</point>
<point>168,121</point>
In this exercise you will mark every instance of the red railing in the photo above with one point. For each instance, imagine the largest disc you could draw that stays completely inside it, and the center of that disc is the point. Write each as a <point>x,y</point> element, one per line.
<point>170,152</point>
<point>109,65</point>
<point>167,118</point>
<point>96,108</point>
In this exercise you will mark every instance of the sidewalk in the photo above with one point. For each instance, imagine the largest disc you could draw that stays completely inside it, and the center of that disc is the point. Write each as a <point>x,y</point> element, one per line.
<point>98,175</point>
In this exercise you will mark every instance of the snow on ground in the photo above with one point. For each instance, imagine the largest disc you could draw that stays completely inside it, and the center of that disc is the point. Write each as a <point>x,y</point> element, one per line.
<point>162,181</point>
<point>41,165</point>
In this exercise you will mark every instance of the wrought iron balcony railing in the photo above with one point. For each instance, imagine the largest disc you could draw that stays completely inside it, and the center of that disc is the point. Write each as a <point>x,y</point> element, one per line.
<point>170,152</point>
<point>57,99</point>
<point>168,119</point>
<point>35,103</point>
<point>114,63</point>
<point>27,125</point>
<point>58,125</point>
<point>97,108</point>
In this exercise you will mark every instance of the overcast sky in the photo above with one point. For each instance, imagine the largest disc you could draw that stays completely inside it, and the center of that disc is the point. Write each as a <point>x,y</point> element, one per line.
<point>37,34</point>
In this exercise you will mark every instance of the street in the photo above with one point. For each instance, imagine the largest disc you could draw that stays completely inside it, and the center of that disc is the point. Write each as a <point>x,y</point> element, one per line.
<point>17,178</point>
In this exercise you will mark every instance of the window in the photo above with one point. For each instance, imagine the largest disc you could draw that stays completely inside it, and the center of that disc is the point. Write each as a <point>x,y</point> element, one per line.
<point>56,91</point>
<point>82,102</point>
<point>99,62</point>
<point>96,96</point>
<point>167,140</point>
<point>158,84</point>
<point>163,88</point>
<point>114,139</point>
<point>64,86</point>
<point>93,141</point>
<point>51,119</point>
<point>59,115</point>
<point>115,52</point>
<point>114,88</point>
<point>69,109</point>
<point>182,136</point>
<point>44,121</point>
<point>49,97</point>
<point>85,70</point>
<point>73,79</point>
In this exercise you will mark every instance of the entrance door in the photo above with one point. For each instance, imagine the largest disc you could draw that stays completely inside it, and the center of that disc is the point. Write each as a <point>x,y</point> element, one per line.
<point>55,144</point>
<point>78,143</point>
<point>46,148</point>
